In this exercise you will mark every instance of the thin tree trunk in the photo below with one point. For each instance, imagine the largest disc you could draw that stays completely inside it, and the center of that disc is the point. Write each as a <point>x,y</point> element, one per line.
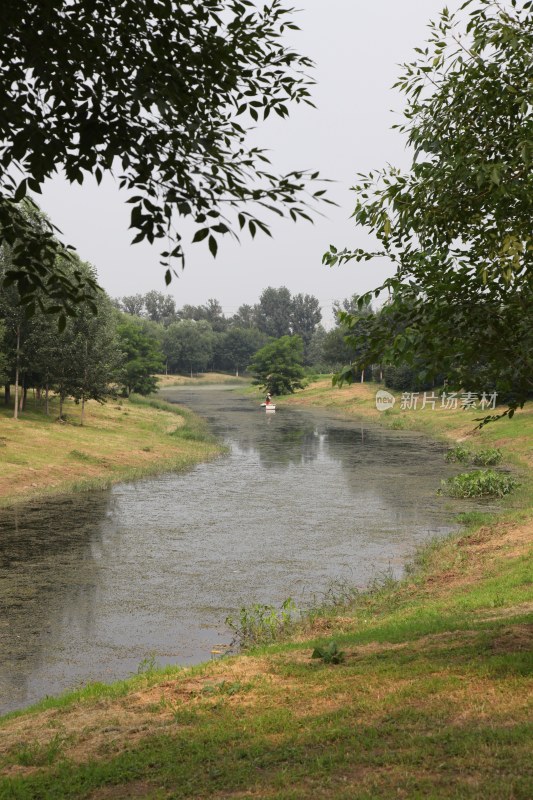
<point>237,372</point>
<point>85,382</point>
<point>7,394</point>
<point>46,406</point>
<point>61,398</point>
<point>23,395</point>
<point>16,411</point>
<point>362,376</point>
<point>191,371</point>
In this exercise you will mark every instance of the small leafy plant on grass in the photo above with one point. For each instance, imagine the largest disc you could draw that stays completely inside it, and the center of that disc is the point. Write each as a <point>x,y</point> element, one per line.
<point>261,624</point>
<point>228,688</point>
<point>458,453</point>
<point>479,483</point>
<point>488,457</point>
<point>330,653</point>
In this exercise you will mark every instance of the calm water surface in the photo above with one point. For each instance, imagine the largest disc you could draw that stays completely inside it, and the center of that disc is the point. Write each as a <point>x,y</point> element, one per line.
<point>90,585</point>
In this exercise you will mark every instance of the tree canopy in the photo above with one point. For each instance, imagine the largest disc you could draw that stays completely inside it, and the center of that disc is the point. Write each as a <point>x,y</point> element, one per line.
<point>160,93</point>
<point>278,365</point>
<point>457,226</point>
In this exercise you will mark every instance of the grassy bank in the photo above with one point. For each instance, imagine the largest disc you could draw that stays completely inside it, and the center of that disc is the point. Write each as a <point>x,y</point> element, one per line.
<point>166,381</point>
<point>121,440</point>
<point>431,698</point>
<point>514,436</point>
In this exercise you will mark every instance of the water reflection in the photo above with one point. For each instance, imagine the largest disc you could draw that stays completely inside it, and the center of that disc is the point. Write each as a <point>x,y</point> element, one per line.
<point>48,579</point>
<point>91,585</point>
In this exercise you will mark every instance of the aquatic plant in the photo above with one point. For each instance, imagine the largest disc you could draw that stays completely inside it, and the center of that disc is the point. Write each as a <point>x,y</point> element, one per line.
<point>479,483</point>
<point>261,624</point>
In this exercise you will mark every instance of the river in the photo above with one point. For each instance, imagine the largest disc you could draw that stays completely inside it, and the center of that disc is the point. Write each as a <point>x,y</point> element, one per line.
<point>93,584</point>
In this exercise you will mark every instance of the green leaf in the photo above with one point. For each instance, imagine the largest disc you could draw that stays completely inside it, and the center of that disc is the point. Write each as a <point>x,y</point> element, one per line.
<point>200,235</point>
<point>213,246</point>
<point>21,191</point>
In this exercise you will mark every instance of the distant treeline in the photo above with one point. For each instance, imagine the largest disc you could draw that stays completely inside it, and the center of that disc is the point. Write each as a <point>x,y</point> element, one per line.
<point>198,338</point>
<point>110,347</point>
<point>120,348</point>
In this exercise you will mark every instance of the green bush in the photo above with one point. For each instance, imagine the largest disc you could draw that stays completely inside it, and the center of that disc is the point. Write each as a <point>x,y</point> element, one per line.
<point>479,483</point>
<point>488,457</point>
<point>458,453</point>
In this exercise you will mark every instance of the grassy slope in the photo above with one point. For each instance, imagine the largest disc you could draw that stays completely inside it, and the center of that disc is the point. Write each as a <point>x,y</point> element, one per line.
<point>166,381</point>
<point>119,441</point>
<point>432,700</point>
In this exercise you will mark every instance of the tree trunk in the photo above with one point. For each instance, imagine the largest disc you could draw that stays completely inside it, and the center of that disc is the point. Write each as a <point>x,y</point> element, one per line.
<point>7,394</point>
<point>362,376</point>
<point>46,406</point>
<point>61,398</point>
<point>237,372</point>
<point>85,386</point>
<point>191,371</point>
<point>23,395</point>
<point>17,359</point>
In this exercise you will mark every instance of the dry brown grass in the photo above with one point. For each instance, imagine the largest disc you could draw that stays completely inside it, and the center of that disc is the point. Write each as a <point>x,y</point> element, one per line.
<point>164,381</point>
<point>42,455</point>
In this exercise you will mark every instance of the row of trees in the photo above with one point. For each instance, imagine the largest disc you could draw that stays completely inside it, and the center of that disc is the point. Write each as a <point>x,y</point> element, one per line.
<point>108,347</point>
<point>99,352</point>
<point>276,314</point>
<point>456,225</point>
<point>114,350</point>
<point>197,338</point>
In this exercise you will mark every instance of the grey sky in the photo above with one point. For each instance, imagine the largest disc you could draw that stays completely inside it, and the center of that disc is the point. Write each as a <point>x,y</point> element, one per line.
<point>357,47</point>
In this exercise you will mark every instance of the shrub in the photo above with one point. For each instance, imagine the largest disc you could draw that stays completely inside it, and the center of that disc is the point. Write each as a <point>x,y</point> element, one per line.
<point>479,483</point>
<point>458,453</point>
<point>488,457</point>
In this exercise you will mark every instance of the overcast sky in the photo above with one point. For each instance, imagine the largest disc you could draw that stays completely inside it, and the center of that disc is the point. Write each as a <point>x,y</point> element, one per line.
<point>357,46</point>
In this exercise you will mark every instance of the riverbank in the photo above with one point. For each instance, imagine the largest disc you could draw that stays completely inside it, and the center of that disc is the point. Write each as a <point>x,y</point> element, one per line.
<point>430,700</point>
<point>514,436</point>
<point>222,378</point>
<point>121,440</point>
